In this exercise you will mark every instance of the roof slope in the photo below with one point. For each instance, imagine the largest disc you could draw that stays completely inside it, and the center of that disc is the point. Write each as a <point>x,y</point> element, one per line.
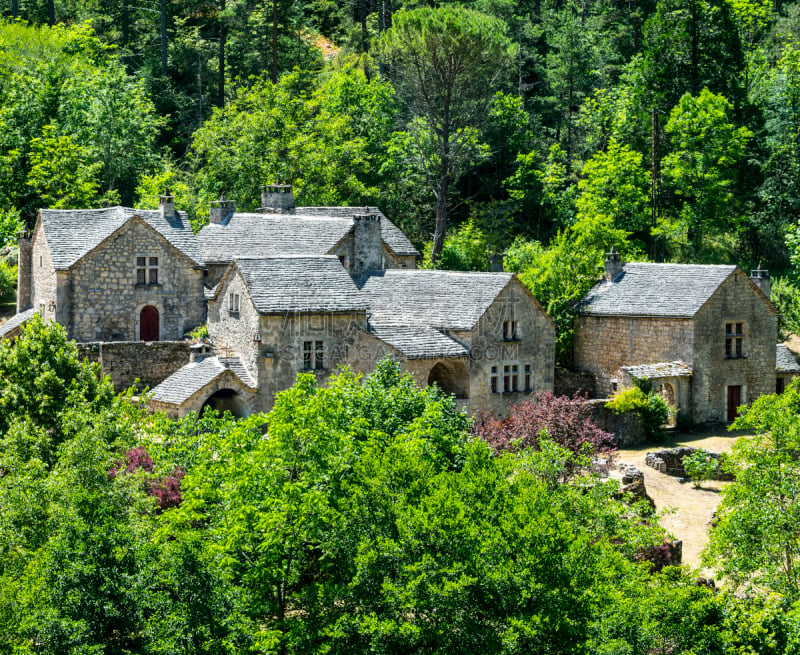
<point>303,283</point>
<point>16,321</point>
<point>660,370</point>
<point>270,235</point>
<point>439,299</point>
<point>391,234</point>
<point>668,290</point>
<point>187,381</point>
<point>420,342</point>
<point>74,233</point>
<point>784,360</point>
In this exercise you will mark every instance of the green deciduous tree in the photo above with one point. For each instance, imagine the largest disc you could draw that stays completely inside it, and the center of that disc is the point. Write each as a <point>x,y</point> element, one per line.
<point>756,538</point>
<point>445,64</point>
<point>707,145</point>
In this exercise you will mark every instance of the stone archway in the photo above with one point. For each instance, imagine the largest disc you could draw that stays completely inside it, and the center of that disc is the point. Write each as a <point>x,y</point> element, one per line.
<point>227,400</point>
<point>452,378</point>
<point>149,324</point>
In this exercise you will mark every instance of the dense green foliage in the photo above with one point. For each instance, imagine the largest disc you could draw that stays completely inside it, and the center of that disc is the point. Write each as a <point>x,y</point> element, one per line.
<point>652,409</point>
<point>366,520</point>
<point>756,537</point>
<point>672,124</point>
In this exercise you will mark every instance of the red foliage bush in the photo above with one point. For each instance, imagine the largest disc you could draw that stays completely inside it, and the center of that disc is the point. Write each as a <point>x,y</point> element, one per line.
<point>166,490</point>
<point>566,420</point>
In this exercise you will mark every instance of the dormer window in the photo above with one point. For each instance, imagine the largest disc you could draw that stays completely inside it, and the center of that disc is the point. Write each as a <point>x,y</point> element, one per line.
<point>146,270</point>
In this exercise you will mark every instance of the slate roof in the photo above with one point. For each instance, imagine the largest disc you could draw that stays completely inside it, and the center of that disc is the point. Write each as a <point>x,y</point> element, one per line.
<point>311,230</point>
<point>304,283</point>
<point>660,370</point>
<point>392,235</point>
<point>16,321</point>
<point>270,235</point>
<point>666,290</point>
<point>187,381</point>
<point>74,233</point>
<point>784,360</point>
<point>420,342</point>
<point>439,299</point>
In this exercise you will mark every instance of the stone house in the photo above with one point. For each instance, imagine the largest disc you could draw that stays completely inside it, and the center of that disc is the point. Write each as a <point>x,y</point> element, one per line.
<point>282,290</point>
<point>480,336</point>
<point>113,274</point>
<point>703,335</point>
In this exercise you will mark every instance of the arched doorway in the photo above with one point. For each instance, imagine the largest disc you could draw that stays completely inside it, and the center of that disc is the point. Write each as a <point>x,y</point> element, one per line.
<point>148,324</point>
<point>227,400</point>
<point>452,379</point>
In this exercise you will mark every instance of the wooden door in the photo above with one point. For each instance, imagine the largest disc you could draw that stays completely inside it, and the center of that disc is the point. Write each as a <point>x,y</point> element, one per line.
<point>734,400</point>
<point>148,324</point>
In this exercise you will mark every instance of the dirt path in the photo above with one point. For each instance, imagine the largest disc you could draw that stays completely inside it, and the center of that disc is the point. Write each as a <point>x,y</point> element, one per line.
<point>692,508</point>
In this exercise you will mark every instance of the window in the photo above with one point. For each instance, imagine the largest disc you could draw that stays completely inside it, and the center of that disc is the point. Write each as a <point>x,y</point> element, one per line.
<point>528,377</point>
<point>510,378</point>
<point>734,340</point>
<point>510,330</point>
<point>313,355</point>
<point>493,380</point>
<point>147,270</point>
<point>233,303</point>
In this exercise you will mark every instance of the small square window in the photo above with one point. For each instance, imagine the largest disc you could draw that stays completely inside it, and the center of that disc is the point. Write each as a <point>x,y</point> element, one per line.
<point>233,303</point>
<point>734,340</point>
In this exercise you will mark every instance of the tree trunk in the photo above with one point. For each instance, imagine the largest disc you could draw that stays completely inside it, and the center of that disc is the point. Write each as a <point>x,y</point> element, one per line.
<point>223,35</point>
<point>51,13</point>
<point>125,23</point>
<point>274,71</point>
<point>442,192</point>
<point>14,8</point>
<point>164,37</point>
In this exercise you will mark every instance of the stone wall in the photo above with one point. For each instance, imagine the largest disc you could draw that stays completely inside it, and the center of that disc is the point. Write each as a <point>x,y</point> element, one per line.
<point>124,362</point>
<point>736,300</point>
<point>24,270</point>
<point>106,301</point>
<point>670,462</point>
<point>44,279</point>
<point>567,383</point>
<point>626,428</point>
<point>604,344</point>
<point>534,346</point>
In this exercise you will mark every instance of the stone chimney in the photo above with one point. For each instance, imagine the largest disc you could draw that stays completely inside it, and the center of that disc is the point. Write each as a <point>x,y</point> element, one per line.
<point>760,278</point>
<point>221,209</point>
<point>277,199</point>
<point>24,272</point>
<point>613,265</point>
<point>166,204</point>
<point>367,244</point>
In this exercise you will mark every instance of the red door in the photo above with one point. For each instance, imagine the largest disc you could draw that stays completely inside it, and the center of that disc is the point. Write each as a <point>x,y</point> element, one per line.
<point>734,400</point>
<point>148,324</point>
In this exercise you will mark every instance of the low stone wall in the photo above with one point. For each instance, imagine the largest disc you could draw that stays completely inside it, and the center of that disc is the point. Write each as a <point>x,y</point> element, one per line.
<point>626,428</point>
<point>633,483</point>
<point>126,361</point>
<point>566,383</point>
<point>670,462</point>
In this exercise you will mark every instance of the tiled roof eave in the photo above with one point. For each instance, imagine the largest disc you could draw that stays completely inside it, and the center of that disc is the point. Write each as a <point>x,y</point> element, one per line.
<point>640,315</point>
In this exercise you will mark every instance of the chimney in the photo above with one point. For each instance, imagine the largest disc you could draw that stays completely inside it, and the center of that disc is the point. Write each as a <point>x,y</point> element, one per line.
<point>613,265</point>
<point>166,204</point>
<point>221,210</point>
<point>760,278</point>
<point>277,199</point>
<point>367,244</point>
<point>24,272</point>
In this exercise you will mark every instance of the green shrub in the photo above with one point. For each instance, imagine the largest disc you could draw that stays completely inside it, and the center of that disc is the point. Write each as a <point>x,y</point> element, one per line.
<point>10,226</point>
<point>701,465</point>
<point>466,249</point>
<point>8,282</point>
<point>652,409</point>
